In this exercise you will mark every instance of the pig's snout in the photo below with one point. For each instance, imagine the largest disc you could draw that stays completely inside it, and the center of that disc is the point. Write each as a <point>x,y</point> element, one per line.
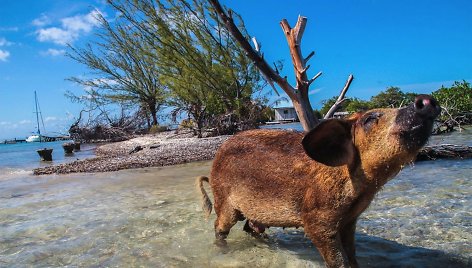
<point>414,123</point>
<point>427,106</point>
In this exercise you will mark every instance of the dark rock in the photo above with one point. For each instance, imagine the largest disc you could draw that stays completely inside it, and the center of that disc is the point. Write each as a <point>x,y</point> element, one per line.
<point>45,154</point>
<point>68,147</point>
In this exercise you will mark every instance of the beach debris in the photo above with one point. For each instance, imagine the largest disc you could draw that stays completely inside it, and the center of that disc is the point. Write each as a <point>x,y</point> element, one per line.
<point>136,149</point>
<point>444,151</point>
<point>172,150</point>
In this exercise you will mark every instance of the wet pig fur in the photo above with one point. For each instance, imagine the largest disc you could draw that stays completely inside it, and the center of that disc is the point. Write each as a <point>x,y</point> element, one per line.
<point>321,181</point>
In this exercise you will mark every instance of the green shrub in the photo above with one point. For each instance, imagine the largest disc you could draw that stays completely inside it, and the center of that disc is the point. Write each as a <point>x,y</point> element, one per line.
<point>157,129</point>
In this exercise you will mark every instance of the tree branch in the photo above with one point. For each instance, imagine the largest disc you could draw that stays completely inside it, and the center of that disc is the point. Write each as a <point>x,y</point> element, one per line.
<point>309,56</point>
<point>251,53</point>
<point>257,47</point>
<point>299,29</point>
<point>294,38</point>
<point>314,78</point>
<point>340,99</point>
<point>299,93</point>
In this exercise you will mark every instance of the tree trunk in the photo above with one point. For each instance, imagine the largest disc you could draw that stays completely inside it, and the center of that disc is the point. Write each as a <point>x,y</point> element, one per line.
<point>153,111</point>
<point>148,120</point>
<point>199,127</point>
<point>305,113</point>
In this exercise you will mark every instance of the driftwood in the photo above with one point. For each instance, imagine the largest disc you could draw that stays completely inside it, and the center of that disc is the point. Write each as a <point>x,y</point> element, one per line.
<point>136,149</point>
<point>444,151</point>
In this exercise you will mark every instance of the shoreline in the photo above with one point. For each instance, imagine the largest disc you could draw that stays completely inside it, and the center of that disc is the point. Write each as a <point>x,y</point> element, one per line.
<point>172,148</point>
<point>152,150</point>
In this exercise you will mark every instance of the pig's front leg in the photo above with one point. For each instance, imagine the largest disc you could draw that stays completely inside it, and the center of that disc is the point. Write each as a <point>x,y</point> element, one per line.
<point>348,241</point>
<point>325,236</point>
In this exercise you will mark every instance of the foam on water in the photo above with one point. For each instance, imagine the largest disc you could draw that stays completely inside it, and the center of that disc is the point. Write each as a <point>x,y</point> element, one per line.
<point>9,173</point>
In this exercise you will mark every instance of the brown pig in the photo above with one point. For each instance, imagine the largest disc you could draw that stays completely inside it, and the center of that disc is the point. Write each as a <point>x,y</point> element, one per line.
<point>321,181</point>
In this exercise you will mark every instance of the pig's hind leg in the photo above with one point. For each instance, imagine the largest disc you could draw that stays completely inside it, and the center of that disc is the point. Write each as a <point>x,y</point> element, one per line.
<point>226,218</point>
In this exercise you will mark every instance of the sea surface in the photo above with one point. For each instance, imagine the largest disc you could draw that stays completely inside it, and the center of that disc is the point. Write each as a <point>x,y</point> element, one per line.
<point>22,157</point>
<point>151,217</point>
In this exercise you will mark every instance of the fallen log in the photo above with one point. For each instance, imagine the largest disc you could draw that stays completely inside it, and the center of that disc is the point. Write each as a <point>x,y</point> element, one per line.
<point>444,151</point>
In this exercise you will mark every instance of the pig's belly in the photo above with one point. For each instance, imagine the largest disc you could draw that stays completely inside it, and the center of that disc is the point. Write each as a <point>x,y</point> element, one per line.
<point>267,210</point>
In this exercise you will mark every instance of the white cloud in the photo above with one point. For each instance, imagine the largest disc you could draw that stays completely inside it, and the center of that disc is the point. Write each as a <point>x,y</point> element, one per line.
<point>70,30</point>
<point>24,122</point>
<point>56,35</point>
<point>314,91</point>
<point>53,52</point>
<point>4,55</point>
<point>50,118</point>
<point>41,21</point>
<point>8,125</point>
<point>5,42</point>
<point>83,23</point>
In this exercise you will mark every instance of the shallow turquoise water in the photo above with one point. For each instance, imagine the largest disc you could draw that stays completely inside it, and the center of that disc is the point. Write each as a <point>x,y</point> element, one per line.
<point>151,217</point>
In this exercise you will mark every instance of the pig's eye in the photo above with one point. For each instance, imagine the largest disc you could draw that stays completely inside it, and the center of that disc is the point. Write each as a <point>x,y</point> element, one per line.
<point>370,119</point>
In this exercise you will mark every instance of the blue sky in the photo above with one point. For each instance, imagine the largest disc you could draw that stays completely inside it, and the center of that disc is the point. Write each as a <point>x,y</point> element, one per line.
<point>416,45</point>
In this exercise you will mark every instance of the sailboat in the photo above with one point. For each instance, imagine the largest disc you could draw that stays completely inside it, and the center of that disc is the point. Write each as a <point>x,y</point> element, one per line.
<point>36,137</point>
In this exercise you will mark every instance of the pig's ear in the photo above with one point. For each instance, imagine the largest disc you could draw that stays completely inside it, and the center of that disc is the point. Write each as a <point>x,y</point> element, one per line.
<point>330,143</point>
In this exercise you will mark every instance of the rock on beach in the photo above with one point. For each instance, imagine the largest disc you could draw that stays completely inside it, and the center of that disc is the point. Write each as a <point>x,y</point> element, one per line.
<point>161,149</point>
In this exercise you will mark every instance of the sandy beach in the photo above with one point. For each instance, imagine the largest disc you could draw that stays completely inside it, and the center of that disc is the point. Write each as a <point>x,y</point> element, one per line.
<point>153,150</point>
<point>172,148</point>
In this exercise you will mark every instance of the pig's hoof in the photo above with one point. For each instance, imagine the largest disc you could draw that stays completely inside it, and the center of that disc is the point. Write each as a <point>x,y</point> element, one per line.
<point>222,245</point>
<point>221,235</point>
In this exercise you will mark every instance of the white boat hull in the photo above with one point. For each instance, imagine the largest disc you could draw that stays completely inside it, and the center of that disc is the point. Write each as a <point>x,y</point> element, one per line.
<point>33,138</point>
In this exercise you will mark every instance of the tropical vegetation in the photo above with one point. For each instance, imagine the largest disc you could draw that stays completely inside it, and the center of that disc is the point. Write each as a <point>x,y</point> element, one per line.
<point>175,56</point>
<point>456,102</point>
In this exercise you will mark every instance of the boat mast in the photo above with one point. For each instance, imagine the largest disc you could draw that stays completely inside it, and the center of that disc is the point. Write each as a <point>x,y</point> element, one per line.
<point>37,114</point>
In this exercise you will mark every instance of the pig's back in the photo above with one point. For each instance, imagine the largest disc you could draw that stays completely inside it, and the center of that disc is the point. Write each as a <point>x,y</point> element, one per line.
<point>263,173</point>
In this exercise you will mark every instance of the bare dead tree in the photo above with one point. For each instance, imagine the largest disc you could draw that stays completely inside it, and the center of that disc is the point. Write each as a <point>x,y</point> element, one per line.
<point>298,93</point>
<point>340,99</point>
